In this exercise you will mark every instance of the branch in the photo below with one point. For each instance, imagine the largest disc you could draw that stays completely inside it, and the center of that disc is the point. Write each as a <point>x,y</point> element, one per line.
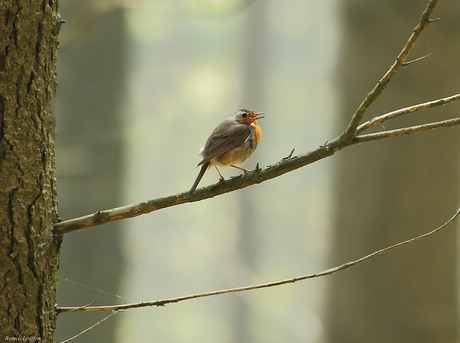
<point>257,176</point>
<point>405,64</point>
<point>406,131</point>
<point>424,21</point>
<point>347,138</point>
<point>264,285</point>
<point>91,327</point>
<point>410,109</point>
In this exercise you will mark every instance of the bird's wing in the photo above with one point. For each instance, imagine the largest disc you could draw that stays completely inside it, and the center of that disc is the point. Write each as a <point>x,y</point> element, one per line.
<point>226,136</point>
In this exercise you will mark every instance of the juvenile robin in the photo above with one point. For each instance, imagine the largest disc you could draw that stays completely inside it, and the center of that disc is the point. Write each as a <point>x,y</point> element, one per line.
<point>231,143</point>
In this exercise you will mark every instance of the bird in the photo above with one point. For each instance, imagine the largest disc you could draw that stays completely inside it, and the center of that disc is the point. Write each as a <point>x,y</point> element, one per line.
<point>231,143</point>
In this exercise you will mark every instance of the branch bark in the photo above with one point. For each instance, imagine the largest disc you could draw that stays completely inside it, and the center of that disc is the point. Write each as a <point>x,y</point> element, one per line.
<point>424,21</point>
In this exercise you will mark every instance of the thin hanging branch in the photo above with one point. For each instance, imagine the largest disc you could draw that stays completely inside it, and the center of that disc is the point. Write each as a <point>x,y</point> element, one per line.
<point>90,328</point>
<point>348,138</point>
<point>249,288</point>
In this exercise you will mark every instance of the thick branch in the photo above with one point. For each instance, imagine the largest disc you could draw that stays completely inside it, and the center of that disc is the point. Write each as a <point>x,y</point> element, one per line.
<point>264,285</point>
<point>239,182</point>
<point>257,176</point>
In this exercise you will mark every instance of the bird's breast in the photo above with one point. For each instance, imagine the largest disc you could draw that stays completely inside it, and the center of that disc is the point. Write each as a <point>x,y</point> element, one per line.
<point>257,133</point>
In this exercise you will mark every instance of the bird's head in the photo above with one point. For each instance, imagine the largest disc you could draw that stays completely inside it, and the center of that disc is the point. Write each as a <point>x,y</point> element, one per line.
<point>247,116</point>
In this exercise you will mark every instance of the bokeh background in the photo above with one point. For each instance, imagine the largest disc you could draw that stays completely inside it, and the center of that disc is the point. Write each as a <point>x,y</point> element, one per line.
<point>141,86</point>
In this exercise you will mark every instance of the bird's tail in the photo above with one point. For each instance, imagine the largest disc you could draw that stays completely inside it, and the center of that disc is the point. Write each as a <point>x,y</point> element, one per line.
<point>204,167</point>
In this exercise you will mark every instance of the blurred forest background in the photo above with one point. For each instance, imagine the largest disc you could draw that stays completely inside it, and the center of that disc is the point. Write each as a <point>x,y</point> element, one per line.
<point>142,83</point>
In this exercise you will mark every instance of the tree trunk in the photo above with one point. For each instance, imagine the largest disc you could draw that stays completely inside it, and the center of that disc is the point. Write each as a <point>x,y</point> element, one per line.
<point>29,252</point>
<point>253,44</point>
<point>399,188</point>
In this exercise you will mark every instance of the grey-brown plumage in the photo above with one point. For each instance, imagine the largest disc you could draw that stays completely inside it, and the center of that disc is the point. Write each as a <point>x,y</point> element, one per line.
<point>231,143</point>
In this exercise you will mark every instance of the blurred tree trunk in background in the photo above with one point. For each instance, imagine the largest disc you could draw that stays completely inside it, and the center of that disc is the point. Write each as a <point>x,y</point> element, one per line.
<point>253,44</point>
<point>392,190</point>
<point>29,253</point>
<point>92,74</point>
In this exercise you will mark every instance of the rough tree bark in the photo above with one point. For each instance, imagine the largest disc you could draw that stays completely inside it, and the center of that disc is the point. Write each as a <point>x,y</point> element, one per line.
<point>29,253</point>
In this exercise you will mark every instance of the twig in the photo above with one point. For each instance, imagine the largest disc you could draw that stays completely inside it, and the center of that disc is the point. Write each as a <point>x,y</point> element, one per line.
<point>289,156</point>
<point>264,285</point>
<point>410,109</point>
<point>406,131</point>
<point>87,305</point>
<point>91,327</point>
<point>405,64</point>
<point>425,20</point>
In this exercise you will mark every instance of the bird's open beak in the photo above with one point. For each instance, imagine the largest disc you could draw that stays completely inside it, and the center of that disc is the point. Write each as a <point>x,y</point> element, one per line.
<point>259,115</point>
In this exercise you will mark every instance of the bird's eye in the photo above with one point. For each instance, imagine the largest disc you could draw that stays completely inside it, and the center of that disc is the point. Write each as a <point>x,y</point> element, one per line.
<point>244,114</point>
